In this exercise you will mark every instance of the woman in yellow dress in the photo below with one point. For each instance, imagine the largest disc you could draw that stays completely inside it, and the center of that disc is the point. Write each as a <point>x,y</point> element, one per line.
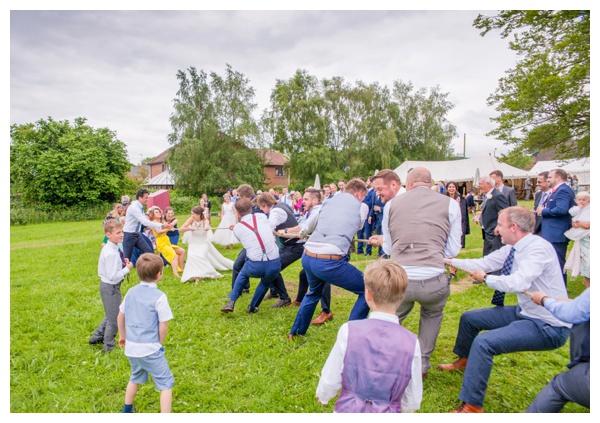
<point>172,253</point>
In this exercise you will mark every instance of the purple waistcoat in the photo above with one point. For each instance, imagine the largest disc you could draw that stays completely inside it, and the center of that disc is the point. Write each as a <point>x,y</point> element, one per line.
<point>377,367</point>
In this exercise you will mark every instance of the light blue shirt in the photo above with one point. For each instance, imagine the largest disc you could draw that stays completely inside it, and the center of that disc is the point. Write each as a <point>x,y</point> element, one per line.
<point>575,312</point>
<point>535,268</point>
<point>135,218</point>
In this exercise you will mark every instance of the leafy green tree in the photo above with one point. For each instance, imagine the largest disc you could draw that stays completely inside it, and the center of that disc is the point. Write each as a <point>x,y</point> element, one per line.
<point>544,102</point>
<point>297,125</point>
<point>59,164</point>
<point>419,117</point>
<point>214,135</point>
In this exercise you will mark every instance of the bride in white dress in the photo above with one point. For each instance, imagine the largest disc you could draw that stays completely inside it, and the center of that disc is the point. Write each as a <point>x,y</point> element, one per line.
<point>203,259</point>
<point>223,235</point>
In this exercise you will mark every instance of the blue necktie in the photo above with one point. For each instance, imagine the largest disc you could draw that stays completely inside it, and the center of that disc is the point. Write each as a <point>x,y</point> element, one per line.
<point>498,298</point>
<point>122,257</point>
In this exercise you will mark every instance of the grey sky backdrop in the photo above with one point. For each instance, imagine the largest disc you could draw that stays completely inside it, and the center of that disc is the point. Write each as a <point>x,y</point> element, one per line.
<point>117,68</point>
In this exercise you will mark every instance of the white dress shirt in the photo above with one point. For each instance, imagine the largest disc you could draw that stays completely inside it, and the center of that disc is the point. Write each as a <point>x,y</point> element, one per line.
<point>250,241</point>
<point>535,268</point>
<point>276,217</point>
<point>308,224</point>
<point>135,217</point>
<point>385,227</point>
<point>331,375</point>
<point>451,249</point>
<point>110,265</point>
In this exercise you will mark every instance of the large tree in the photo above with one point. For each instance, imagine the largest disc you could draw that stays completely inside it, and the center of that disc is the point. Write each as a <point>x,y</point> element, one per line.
<point>59,164</point>
<point>544,102</point>
<point>215,137</point>
<point>339,130</point>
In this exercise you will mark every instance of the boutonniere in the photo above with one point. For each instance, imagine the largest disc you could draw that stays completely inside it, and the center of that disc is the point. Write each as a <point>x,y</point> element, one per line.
<point>488,196</point>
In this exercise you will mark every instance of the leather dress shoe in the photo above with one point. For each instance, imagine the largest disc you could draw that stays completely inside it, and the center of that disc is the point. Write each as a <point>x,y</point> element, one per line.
<point>245,291</point>
<point>229,307</point>
<point>282,303</point>
<point>96,340</point>
<point>295,304</point>
<point>467,408</point>
<point>291,337</point>
<point>322,318</point>
<point>252,310</point>
<point>459,364</point>
<point>270,296</point>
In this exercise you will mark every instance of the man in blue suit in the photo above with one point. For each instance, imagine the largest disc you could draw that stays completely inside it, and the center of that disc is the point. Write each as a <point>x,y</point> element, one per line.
<point>367,230</point>
<point>376,217</point>
<point>556,219</point>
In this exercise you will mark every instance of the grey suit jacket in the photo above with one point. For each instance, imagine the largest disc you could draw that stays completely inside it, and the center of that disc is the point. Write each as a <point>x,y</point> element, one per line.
<point>510,194</point>
<point>537,201</point>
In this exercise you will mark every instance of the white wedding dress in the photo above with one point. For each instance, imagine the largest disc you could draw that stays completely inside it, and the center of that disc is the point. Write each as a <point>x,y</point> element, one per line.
<point>223,236</point>
<point>203,259</point>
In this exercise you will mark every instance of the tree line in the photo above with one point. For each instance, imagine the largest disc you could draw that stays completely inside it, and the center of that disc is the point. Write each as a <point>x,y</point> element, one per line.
<point>328,127</point>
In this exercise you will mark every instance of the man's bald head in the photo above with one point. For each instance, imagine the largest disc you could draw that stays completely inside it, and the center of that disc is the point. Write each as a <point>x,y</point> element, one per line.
<point>419,176</point>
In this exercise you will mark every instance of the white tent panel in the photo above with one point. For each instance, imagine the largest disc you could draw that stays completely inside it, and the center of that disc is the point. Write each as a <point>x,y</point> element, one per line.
<point>464,170</point>
<point>579,167</point>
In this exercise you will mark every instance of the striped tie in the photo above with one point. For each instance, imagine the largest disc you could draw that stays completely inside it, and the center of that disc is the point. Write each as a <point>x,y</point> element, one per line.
<point>498,298</point>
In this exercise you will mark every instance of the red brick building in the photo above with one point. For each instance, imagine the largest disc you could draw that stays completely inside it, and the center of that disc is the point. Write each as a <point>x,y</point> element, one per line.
<point>274,170</point>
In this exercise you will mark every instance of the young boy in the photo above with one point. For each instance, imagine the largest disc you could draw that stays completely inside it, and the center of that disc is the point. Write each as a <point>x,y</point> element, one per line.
<point>143,323</point>
<point>262,254</point>
<point>112,268</point>
<point>375,361</point>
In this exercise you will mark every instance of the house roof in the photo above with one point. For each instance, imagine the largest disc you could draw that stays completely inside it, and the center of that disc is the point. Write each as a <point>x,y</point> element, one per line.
<point>161,158</point>
<point>162,179</point>
<point>273,158</point>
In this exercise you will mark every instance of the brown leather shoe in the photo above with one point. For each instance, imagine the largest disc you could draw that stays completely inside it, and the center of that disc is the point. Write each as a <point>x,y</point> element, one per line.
<point>291,337</point>
<point>295,304</point>
<point>459,364</point>
<point>467,408</point>
<point>229,307</point>
<point>322,318</point>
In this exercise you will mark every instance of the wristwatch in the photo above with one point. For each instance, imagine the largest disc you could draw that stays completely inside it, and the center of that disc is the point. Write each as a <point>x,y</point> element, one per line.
<point>485,279</point>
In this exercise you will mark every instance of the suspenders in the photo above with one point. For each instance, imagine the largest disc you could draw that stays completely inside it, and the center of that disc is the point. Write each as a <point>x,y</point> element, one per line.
<point>255,230</point>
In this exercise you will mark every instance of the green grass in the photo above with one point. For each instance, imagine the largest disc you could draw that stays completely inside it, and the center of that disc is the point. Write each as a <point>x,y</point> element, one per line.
<point>222,362</point>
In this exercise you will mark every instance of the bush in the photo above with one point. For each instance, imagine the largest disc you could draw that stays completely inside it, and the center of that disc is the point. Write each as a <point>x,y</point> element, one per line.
<point>182,204</point>
<point>25,214</point>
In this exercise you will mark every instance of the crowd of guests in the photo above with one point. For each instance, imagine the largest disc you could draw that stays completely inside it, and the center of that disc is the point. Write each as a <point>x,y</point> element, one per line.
<point>418,233</point>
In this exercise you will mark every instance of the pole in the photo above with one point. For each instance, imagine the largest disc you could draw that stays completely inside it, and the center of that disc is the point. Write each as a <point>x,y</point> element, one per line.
<point>465,147</point>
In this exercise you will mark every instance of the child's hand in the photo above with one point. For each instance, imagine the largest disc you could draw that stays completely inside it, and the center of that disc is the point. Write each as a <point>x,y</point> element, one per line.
<point>128,264</point>
<point>324,405</point>
<point>121,342</point>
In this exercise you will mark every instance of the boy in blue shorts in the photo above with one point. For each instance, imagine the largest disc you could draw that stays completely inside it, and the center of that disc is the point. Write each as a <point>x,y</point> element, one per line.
<point>143,323</point>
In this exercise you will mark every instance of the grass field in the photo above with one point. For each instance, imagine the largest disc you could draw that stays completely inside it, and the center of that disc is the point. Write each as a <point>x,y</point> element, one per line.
<point>223,363</point>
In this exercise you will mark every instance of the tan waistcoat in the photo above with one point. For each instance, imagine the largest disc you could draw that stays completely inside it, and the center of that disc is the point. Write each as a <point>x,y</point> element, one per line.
<point>419,227</point>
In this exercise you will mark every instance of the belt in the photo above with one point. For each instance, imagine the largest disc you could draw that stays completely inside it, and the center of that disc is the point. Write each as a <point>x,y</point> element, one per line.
<point>324,256</point>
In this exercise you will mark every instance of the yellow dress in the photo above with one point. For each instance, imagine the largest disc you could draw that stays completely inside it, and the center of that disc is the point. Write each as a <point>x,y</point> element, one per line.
<point>163,245</point>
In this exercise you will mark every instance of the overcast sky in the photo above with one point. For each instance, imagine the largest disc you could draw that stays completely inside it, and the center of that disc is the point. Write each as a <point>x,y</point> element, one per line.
<point>117,68</point>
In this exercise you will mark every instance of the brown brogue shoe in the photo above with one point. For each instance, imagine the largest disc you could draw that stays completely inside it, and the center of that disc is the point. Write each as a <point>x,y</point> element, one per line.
<point>459,364</point>
<point>467,408</point>
<point>322,318</point>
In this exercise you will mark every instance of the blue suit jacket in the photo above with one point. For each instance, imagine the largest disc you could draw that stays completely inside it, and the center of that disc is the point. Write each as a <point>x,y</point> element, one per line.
<point>370,199</point>
<point>377,216</point>
<point>556,219</point>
